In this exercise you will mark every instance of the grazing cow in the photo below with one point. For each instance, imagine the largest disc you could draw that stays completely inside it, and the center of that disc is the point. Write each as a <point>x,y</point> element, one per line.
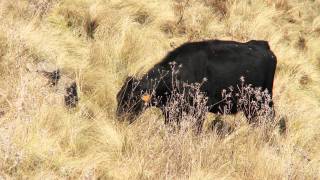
<point>221,63</point>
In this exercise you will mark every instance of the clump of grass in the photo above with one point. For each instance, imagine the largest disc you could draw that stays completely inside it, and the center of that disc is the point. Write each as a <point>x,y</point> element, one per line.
<point>186,105</point>
<point>41,7</point>
<point>301,43</point>
<point>171,28</point>
<point>280,4</point>
<point>254,102</point>
<point>142,17</point>
<point>219,6</point>
<point>90,26</point>
<point>49,142</point>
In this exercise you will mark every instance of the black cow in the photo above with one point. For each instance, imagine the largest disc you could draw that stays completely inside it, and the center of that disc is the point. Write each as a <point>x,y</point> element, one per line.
<point>222,63</point>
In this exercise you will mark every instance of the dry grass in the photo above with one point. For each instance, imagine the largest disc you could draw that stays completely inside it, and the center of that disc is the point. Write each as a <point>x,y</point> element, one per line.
<point>100,42</point>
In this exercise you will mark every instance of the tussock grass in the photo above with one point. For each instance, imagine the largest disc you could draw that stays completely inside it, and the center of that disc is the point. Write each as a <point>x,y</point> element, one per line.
<point>98,43</point>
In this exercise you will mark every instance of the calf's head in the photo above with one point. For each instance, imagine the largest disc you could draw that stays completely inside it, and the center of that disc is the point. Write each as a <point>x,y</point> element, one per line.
<point>132,99</point>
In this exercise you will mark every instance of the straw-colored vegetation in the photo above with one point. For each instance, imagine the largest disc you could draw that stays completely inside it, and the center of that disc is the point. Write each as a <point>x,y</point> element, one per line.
<point>100,42</point>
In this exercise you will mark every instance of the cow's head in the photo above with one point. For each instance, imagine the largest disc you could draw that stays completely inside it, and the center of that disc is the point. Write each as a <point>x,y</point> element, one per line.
<point>132,99</point>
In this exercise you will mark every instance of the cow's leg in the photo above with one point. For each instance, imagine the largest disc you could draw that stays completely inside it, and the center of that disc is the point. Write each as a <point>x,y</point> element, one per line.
<point>272,111</point>
<point>166,118</point>
<point>268,110</point>
<point>171,122</point>
<point>267,113</point>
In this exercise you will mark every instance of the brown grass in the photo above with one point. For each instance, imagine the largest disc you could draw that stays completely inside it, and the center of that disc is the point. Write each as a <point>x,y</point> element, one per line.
<point>98,43</point>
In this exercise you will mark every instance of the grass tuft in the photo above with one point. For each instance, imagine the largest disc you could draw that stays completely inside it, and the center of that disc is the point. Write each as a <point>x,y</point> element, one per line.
<point>98,43</point>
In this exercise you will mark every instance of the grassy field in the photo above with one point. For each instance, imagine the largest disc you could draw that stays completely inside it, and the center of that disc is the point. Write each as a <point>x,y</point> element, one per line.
<point>99,43</point>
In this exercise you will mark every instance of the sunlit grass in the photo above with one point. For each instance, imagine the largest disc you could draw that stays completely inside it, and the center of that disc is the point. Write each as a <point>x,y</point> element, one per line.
<point>98,43</point>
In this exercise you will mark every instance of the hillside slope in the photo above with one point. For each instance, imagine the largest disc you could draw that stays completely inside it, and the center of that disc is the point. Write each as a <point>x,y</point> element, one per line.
<point>98,43</point>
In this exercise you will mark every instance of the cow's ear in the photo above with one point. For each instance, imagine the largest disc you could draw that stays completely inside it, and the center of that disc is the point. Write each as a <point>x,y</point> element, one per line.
<point>146,98</point>
<point>129,81</point>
